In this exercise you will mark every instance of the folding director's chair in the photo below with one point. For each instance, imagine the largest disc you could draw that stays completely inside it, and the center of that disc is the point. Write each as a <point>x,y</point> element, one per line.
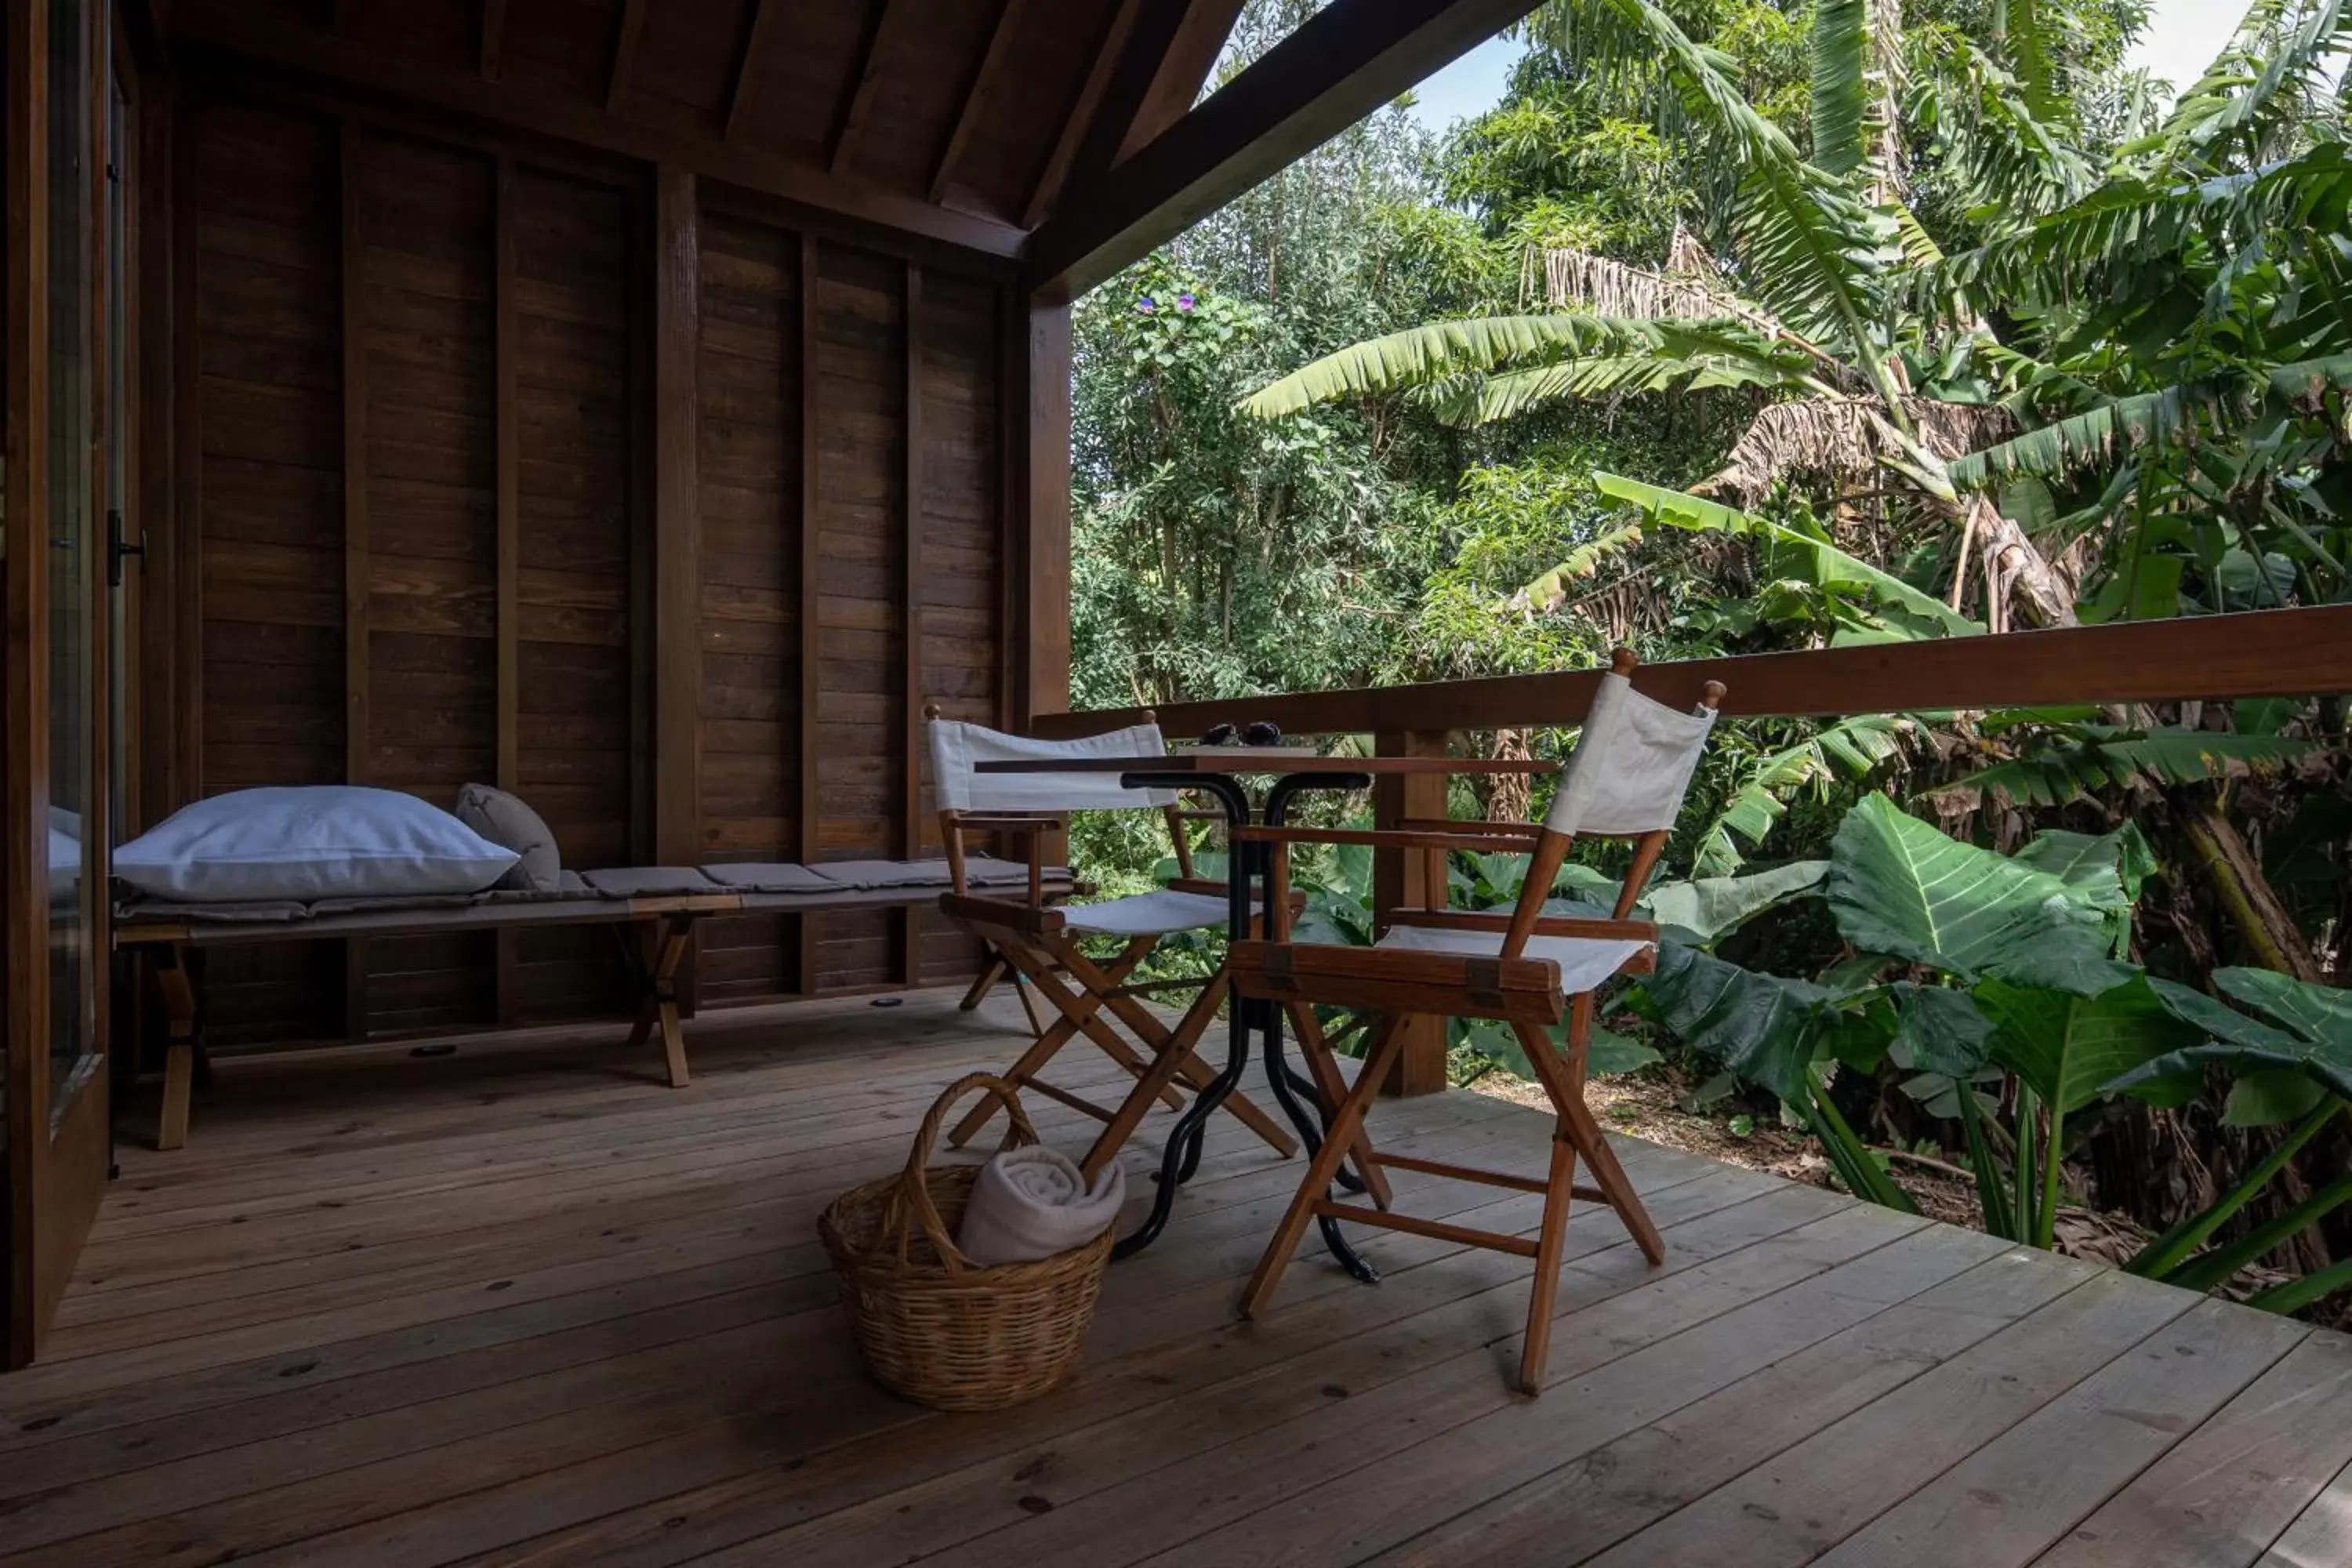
<point>1041,942</point>
<point>1626,779</point>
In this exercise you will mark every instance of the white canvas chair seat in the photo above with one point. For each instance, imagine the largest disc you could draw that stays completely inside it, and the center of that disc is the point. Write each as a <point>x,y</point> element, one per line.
<point>1161,913</point>
<point>1584,961</point>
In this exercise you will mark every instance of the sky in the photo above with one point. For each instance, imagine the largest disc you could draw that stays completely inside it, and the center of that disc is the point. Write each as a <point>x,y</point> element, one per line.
<point>2181,39</point>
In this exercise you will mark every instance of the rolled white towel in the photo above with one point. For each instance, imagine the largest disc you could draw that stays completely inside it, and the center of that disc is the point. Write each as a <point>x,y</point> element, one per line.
<point>1033,1203</point>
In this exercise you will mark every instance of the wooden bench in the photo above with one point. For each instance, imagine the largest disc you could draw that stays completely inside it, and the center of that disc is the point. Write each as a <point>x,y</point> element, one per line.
<point>168,936</point>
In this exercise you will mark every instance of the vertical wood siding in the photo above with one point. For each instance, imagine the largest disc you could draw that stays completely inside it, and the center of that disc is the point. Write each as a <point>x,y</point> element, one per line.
<point>418,373</point>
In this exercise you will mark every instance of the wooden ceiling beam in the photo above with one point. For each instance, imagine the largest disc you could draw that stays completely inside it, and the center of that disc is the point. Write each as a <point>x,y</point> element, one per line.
<point>858,107</point>
<point>625,53</point>
<point>1140,55</point>
<point>975,91</point>
<point>1183,71</point>
<point>1064,150</point>
<point>1341,64</point>
<point>2261,653</point>
<point>316,54</point>
<point>755,40</point>
<point>494,28</point>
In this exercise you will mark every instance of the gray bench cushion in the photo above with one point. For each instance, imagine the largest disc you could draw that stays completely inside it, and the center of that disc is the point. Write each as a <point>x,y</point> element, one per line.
<point>771,876</point>
<point>886,873</point>
<point>650,882</point>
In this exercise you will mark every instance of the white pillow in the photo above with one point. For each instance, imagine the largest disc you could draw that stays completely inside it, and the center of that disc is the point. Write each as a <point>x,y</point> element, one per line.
<point>328,841</point>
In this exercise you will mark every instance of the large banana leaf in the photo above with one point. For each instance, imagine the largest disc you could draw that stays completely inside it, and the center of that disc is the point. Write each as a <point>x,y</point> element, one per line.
<point>1760,1026</point>
<point>1850,749</point>
<point>1512,393</point>
<point>2319,1045</point>
<point>1841,94</point>
<point>1447,351</point>
<point>1828,567</point>
<point>2099,757</point>
<point>1900,887</point>
<point>1814,253</point>
<point>2070,1049</point>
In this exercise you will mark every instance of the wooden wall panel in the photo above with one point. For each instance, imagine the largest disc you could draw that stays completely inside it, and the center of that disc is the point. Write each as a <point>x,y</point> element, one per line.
<point>424,218</point>
<point>749,382</point>
<point>960,590</point>
<point>573,548</point>
<point>417,378</point>
<point>860,635</point>
<point>267,369</point>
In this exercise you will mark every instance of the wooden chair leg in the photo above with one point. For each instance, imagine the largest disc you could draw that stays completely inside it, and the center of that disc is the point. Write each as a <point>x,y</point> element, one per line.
<point>1564,1083</point>
<point>1318,1181</point>
<point>1079,1012</point>
<point>1148,1087</point>
<point>1536,1349</point>
<point>179,1056</point>
<point>1611,1178</point>
<point>1196,1073</point>
<point>1333,1090</point>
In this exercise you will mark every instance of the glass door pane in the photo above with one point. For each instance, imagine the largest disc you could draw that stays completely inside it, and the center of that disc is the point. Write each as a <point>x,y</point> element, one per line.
<point>75,831</point>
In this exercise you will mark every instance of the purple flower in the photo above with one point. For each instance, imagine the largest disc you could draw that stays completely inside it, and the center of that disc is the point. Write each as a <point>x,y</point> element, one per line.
<point>1147,305</point>
<point>1184,301</point>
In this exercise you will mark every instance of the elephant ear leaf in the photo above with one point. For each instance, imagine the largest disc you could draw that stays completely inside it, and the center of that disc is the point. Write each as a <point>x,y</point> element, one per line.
<point>1901,887</point>
<point>2071,1050</point>
<point>1760,1026</point>
<point>2316,1041</point>
<point>1941,1028</point>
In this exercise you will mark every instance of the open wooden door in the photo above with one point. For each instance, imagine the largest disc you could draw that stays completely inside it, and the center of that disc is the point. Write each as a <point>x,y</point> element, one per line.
<point>61,100</point>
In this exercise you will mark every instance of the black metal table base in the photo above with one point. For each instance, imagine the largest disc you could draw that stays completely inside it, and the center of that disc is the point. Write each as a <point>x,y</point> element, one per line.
<point>1248,866</point>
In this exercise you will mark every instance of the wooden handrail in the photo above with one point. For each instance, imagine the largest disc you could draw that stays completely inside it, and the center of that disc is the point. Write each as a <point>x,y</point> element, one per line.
<point>2261,653</point>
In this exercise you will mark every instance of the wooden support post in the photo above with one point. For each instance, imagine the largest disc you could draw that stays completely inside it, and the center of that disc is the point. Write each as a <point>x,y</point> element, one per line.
<point>1043,628</point>
<point>910,749</point>
<point>506,332</point>
<point>357,578</point>
<point>812,605</point>
<point>677,544</point>
<point>1411,879</point>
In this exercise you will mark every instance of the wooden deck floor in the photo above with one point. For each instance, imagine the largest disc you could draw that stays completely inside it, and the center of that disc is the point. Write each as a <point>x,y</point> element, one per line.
<point>515,1307</point>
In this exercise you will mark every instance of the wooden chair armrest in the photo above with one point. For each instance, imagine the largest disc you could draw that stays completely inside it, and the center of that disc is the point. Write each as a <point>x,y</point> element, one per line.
<point>1499,921</point>
<point>1399,980</point>
<point>1027,919</point>
<point>993,823</point>
<point>1379,838</point>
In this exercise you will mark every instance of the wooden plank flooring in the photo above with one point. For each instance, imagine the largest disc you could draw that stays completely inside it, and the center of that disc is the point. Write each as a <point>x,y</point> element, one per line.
<point>523,1305</point>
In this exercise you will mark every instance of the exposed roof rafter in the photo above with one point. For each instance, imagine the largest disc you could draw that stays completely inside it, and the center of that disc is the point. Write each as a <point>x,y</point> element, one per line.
<point>1340,65</point>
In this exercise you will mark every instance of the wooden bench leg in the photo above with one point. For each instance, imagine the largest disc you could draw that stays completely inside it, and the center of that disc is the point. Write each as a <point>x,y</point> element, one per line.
<point>179,1056</point>
<point>660,1003</point>
<point>989,976</point>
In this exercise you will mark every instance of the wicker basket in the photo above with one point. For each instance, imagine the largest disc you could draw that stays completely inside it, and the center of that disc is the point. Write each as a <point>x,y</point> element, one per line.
<point>935,1326</point>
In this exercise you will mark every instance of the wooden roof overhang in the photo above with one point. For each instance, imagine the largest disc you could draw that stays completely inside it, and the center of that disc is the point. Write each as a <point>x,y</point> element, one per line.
<point>1060,137</point>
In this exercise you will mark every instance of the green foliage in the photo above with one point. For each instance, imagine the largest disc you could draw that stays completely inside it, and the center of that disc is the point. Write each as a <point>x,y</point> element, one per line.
<point>2072,761</point>
<point>1900,887</point>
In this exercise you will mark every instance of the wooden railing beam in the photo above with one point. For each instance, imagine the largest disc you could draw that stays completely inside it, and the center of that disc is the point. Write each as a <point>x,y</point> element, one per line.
<point>2262,653</point>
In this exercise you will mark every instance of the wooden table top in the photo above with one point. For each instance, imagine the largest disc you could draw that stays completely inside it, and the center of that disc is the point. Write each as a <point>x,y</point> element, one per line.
<point>1239,762</point>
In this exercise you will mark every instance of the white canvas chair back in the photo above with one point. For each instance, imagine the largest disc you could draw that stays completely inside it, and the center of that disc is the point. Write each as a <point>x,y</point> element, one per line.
<point>1632,765</point>
<point>957,748</point>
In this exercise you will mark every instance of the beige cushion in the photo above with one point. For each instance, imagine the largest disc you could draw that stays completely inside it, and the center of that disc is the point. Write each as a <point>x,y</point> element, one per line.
<point>505,820</point>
